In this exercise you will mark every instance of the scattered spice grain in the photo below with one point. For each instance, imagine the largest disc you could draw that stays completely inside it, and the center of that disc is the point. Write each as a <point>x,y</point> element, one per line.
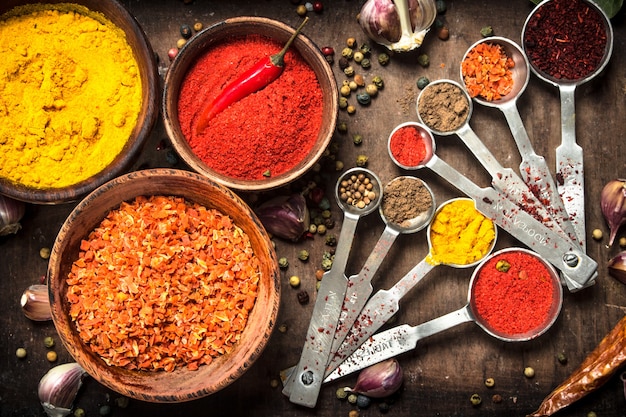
<point>162,283</point>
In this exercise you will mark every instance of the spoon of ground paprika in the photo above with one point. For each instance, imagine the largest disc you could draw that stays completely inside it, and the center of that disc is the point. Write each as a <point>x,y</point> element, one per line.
<point>513,318</point>
<point>490,58</point>
<point>566,51</point>
<point>254,79</point>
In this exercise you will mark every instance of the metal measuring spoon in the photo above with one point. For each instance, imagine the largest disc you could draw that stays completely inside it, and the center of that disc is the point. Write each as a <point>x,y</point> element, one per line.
<point>505,180</point>
<point>578,269</point>
<point>385,303</point>
<point>359,285</point>
<point>404,338</point>
<point>569,155</point>
<point>304,385</point>
<point>533,168</point>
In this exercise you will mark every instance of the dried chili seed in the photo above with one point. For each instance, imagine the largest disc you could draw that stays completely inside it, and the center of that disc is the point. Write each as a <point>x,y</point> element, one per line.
<point>303,297</point>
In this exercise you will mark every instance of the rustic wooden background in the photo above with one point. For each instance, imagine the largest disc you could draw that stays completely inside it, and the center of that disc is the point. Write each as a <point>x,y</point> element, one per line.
<point>446,369</point>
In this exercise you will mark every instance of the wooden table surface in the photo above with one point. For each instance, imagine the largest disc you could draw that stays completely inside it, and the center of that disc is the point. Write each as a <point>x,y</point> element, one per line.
<point>446,369</point>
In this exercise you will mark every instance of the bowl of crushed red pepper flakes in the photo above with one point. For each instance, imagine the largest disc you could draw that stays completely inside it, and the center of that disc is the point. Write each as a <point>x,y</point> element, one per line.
<point>164,286</point>
<point>251,103</point>
<point>80,93</point>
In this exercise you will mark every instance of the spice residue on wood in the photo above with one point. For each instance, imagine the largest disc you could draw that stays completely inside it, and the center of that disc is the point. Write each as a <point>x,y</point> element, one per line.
<point>163,283</point>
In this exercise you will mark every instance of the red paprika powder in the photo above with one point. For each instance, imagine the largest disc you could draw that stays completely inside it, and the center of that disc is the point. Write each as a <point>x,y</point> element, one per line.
<point>514,293</point>
<point>566,39</point>
<point>264,134</point>
<point>408,146</point>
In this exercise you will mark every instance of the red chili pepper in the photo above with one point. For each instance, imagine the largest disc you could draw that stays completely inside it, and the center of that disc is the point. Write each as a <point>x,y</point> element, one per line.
<point>256,78</point>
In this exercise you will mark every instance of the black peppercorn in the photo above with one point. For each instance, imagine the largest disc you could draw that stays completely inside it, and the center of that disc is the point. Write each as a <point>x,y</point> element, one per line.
<point>303,297</point>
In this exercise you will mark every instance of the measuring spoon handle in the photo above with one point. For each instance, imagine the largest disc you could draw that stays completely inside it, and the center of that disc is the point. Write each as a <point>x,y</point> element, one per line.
<point>360,288</point>
<point>396,341</point>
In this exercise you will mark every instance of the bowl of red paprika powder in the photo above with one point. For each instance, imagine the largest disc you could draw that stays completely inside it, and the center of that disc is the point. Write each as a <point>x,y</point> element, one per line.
<point>250,132</point>
<point>81,101</point>
<point>163,285</point>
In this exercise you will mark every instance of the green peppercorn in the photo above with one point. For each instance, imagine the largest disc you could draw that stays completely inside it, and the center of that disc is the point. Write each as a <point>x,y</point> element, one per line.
<point>371,89</point>
<point>441,6</point>
<point>318,284</point>
<point>529,372</point>
<point>331,240</point>
<point>294,281</point>
<point>352,398</point>
<point>79,412</point>
<point>326,214</point>
<point>366,63</point>
<point>321,229</point>
<point>361,160</point>
<point>347,53</point>
<point>358,57</point>
<point>349,71</point>
<point>357,139</point>
<point>327,264</point>
<point>44,253</point>
<point>562,358</point>
<point>365,49</point>
<point>502,265</point>
<point>364,99</point>
<point>20,353</point>
<point>422,82</point>
<point>343,103</point>
<point>283,263</point>
<point>351,109</point>
<point>378,82</point>
<point>592,414</point>
<point>486,31</point>
<point>383,59</point>
<point>490,382</point>
<point>283,328</point>
<point>185,31</point>
<point>48,341</point>
<point>338,165</point>
<point>341,393</point>
<point>312,228</point>
<point>423,60</point>
<point>105,410</point>
<point>342,127</point>
<point>475,400</point>
<point>303,255</point>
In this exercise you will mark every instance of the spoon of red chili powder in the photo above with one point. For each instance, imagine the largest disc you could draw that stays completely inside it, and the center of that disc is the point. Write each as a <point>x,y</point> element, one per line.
<point>514,295</point>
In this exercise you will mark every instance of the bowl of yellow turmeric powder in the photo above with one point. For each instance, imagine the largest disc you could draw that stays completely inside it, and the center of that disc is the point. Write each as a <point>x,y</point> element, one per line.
<point>164,286</point>
<point>79,91</point>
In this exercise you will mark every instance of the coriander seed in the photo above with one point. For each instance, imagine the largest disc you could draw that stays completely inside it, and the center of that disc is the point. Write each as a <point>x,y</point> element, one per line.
<point>294,281</point>
<point>20,353</point>
<point>51,356</point>
<point>490,382</point>
<point>529,372</point>
<point>48,341</point>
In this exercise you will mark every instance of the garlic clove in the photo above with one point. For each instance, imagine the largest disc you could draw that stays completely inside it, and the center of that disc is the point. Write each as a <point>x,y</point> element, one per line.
<point>36,303</point>
<point>380,380</point>
<point>617,267</point>
<point>58,388</point>
<point>11,212</point>
<point>613,205</point>
<point>286,217</point>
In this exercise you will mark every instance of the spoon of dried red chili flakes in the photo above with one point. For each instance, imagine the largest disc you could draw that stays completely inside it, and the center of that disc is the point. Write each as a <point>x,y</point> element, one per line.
<point>486,71</point>
<point>163,283</point>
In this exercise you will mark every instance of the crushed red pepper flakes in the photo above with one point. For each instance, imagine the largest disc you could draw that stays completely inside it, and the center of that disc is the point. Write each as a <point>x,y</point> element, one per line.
<point>487,72</point>
<point>163,283</point>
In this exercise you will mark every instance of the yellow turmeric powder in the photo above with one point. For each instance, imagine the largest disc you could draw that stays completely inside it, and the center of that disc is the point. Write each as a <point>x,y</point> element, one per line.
<point>460,234</point>
<point>70,94</point>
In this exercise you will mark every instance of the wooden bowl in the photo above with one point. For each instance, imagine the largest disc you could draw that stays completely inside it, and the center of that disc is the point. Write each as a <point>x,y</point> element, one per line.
<point>146,119</point>
<point>181,384</point>
<point>234,28</point>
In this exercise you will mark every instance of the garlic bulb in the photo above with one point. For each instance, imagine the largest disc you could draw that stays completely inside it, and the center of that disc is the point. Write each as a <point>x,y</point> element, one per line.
<point>58,388</point>
<point>400,25</point>
<point>613,204</point>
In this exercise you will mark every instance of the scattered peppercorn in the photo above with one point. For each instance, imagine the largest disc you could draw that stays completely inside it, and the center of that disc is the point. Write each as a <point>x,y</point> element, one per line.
<point>171,53</point>
<point>502,265</point>
<point>361,160</point>
<point>358,57</point>
<point>351,42</point>
<point>181,42</point>
<point>359,80</point>
<point>294,281</point>
<point>422,82</point>
<point>342,127</point>
<point>104,410</point>
<point>343,62</point>
<point>423,60</point>
<point>352,398</point>
<point>363,401</point>
<point>378,82</point>
<point>365,49</point>
<point>441,6</point>
<point>596,234</point>
<point>529,372</point>
<point>327,264</point>
<point>496,398</point>
<point>274,383</point>
<point>341,393</point>
<point>366,63</point>
<point>383,59</point>
<point>364,99</point>
<point>303,297</point>
<point>198,26</point>
<point>283,263</point>
<point>486,31</point>
<point>351,109</point>
<point>283,328</point>
<point>312,228</point>
<point>301,10</point>
<point>185,31</point>
<point>44,253</point>
<point>303,255</point>
<point>475,400</point>
<point>48,341</point>
<point>20,353</point>
<point>79,412</point>
<point>347,53</point>
<point>592,414</point>
<point>338,166</point>
<point>353,413</point>
<point>444,33</point>
<point>353,85</point>
<point>321,229</point>
<point>372,90</point>
<point>51,356</point>
<point>562,358</point>
<point>490,382</point>
<point>349,71</point>
<point>622,242</point>
<point>383,407</point>
<point>318,7</point>
<point>319,274</point>
<point>357,139</point>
